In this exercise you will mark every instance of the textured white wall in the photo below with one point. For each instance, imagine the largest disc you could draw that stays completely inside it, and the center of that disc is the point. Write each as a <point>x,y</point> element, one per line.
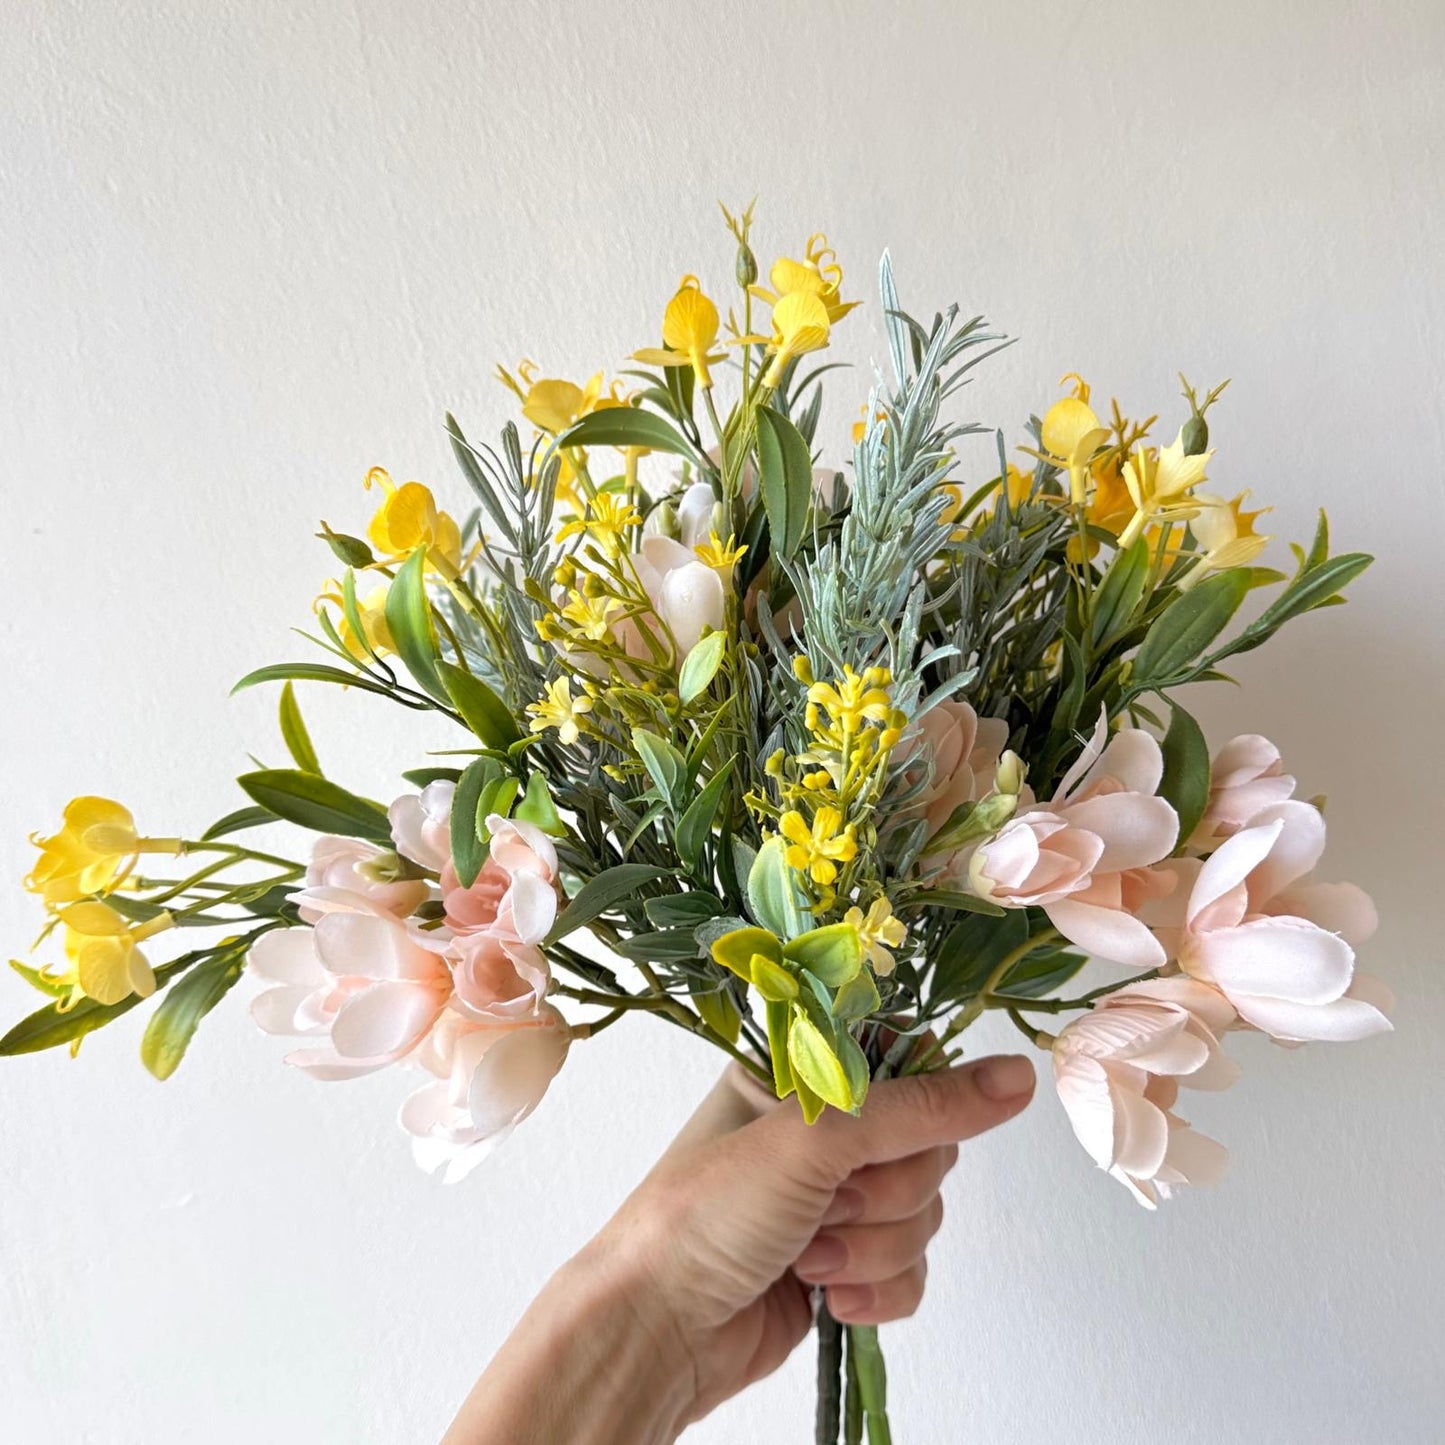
<point>250,249</point>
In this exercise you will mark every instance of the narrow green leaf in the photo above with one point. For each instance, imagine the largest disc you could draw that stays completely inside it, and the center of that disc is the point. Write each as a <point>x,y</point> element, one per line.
<point>785,475</point>
<point>811,1054</point>
<point>469,853</point>
<point>600,894</point>
<point>1186,770</point>
<point>408,619</point>
<point>857,998</point>
<point>1189,625</point>
<point>774,895</point>
<point>316,803</point>
<point>478,481</point>
<point>1119,594</point>
<point>308,672</point>
<point>294,734</point>
<point>682,910</point>
<point>1313,589</point>
<point>1041,973</point>
<point>666,945</point>
<point>953,898</point>
<point>694,828</point>
<point>172,1026</point>
<point>970,951</point>
<point>700,666</point>
<point>665,765</point>
<point>628,426</point>
<point>716,1008</point>
<point>37,979</point>
<point>238,822</point>
<point>777,1016</point>
<point>420,777</point>
<point>482,710</point>
<point>1320,547</point>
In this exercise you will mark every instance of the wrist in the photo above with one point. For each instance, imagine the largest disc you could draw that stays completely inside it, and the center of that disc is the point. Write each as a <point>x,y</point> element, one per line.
<point>592,1362</point>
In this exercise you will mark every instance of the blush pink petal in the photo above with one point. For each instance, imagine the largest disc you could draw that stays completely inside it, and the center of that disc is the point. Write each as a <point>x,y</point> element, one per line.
<point>1346,1019</point>
<point>1283,958</point>
<point>287,955</point>
<point>1137,828</point>
<point>368,946</point>
<point>1231,865</point>
<point>1088,756</point>
<point>1338,907</point>
<point>1132,759</point>
<point>386,1020</point>
<point>1107,933</point>
<point>421,824</point>
<point>1300,845</point>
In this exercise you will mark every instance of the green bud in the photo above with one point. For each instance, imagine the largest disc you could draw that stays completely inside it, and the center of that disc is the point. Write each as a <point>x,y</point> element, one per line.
<point>747,265</point>
<point>1195,436</point>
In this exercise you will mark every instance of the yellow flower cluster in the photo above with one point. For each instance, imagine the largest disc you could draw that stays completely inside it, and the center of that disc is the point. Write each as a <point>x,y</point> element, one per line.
<point>806,304</point>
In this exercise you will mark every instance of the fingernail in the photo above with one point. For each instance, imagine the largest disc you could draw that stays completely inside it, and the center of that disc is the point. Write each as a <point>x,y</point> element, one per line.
<point>847,1205</point>
<point>826,1255</point>
<point>1004,1078</point>
<point>851,1299</point>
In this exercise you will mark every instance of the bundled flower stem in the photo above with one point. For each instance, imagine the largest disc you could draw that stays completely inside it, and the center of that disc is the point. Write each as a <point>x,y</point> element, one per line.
<point>806,760</point>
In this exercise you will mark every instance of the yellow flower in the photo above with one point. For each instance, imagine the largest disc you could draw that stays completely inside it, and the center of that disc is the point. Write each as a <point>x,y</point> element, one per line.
<point>588,615</point>
<point>854,700</point>
<point>409,518</point>
<point>689,331</point>
<point>818,850</point>
<point>818,274</point>
<point>1159,480</point>
<point>609,516</point>
<point>719,555</point>
<point>94,851</point>
<point>557,708</point>
<point>878,931</point>
<point>800,325</point>
<point>371,613</point>
<point>860,427</point>
<point>1226,533</point>
<point>1071,434</point>
<point>105,963</point>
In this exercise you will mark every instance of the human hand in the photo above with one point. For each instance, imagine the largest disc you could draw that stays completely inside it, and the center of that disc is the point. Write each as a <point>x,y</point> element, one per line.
<point>699,1285</point>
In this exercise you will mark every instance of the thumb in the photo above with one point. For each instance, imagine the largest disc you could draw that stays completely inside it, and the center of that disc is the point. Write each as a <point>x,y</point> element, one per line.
<point>903,1116</point>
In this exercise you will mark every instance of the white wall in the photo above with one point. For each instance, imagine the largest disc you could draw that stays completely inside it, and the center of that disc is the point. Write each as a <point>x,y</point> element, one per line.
<point>250,249</point>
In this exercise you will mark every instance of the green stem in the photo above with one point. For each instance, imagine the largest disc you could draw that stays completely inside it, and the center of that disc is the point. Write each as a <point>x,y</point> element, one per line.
<point>830,1367</point>
<point>863,1348</point>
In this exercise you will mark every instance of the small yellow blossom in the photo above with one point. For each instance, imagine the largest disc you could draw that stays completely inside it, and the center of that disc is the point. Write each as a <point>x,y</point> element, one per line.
<point>800,325</point>
<point>860,427</point>
<point>818,850</point>
<point>719,555</point>
<point>1160,480</point>
<point>609,515</point>
<point>376,636</point>
<point>817,274</point>
<point>409,518</point>
<point>557,708</point>
<point>878,931</point>
<point>689,332</point>
<point>1225,532</point>
<point>588,615</point>
<point>94,851</point>
<point>1071,434</point>
<point>105,962</point>
<point>854,700</point>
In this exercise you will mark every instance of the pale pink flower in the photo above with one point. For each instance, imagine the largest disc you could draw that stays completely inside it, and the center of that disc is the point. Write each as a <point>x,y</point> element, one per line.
<point>1118,1069</point>
<point>961,752</point>
<point>695,515</point>
<point>1074,856</point>
<point>498,977</point>
<point>421,825</point>
<point>1280,947</point>
<point>489,1077</point>
<point>348,863</point>
<point>372,983</point>
<point>1247,774</point>
<point>515,894</point>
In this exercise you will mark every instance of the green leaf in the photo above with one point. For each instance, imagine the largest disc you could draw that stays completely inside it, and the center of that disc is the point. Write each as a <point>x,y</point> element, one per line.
<point>174,1023</point>
<point>408,619</point>
<point>309,672</point>
<point>37,979</point>
<point>1320,547</point>
<point>665,765</point>
<point>682,910</point>
<point>700,666</point>
<point>1188,626</point>
<point>857,998</point>
<point>1040,973</point>
<point>497,797</point>
<point>952,898</point>
<point>694,828</point>
<point>833,953</point>
<point>1312,589</point>
<point>352,551</point>
<point>810,1052</point>
<point>601,893</point>
<point>1120,593</point>
<point>537,807</point>
<point>477,480</point>
<point>421,777</point>
<point>666,945</point>
<point>469,853</point>
<point>1186,770</point>
<point>775,896</point>
<point>785,474</point>
<point>777,1016</point>
<point>294,734</point>
<point>481,709</point>
<point>316,803</point>
<point>716,1007</point>
<point>970,951</point>
<point>238,822</point>
<point>49,1027</point>
<point>628,426</point>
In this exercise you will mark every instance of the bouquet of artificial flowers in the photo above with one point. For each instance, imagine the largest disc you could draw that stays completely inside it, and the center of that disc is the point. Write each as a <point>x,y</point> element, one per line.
<point>818,766</point>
